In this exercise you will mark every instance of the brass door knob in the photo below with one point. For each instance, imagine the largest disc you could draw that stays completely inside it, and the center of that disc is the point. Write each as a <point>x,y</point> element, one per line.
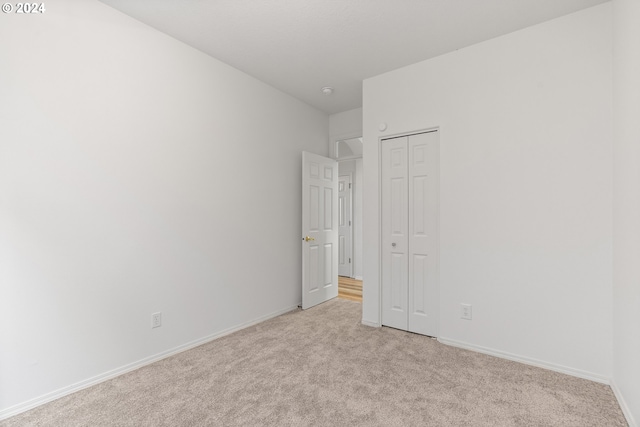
<point>307,238</point>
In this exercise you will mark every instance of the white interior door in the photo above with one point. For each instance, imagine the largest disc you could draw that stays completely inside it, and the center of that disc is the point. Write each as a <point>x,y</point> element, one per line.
<point>319,229</point>
<point>345,254</point>
<point>410,185</point>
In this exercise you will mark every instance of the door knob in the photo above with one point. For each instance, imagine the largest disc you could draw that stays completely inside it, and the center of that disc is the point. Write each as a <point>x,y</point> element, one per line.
<point>393,244</point>
<point>307,238</point>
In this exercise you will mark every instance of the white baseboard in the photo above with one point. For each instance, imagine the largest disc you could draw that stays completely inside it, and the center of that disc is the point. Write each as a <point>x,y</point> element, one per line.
<point>64,391</point>
<point>358,277</point>
<point>528,361</point>
<point>623,405</point>
<point>372,324</point>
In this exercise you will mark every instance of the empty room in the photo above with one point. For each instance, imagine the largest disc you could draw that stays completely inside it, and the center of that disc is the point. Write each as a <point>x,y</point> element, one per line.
<point>336,213</point>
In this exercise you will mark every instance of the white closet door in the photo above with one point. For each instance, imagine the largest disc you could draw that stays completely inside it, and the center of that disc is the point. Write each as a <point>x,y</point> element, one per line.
<point>423,233</point>
<point>409,170</point>
<point>394,233</point>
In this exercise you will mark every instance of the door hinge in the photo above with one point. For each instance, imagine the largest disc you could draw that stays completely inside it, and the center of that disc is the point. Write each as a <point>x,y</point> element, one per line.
<point>349,260</point>
<point>349,222</point>
<point>349,185</point>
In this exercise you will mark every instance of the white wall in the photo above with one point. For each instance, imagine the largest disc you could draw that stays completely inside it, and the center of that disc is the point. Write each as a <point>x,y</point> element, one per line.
<point>358,225</point>
<point>525,199</point>
<point>626,207</point>
<point>354,167</point>
<point>136,175</point>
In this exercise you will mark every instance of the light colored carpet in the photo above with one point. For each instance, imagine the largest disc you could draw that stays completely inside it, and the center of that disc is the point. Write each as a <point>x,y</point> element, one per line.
<point>321,367</point>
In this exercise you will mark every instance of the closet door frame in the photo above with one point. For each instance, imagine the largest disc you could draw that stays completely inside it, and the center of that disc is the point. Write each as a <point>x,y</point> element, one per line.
<point>436,254</point>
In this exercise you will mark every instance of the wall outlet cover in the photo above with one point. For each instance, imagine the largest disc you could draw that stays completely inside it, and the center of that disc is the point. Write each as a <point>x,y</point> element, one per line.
<point>156,320</point>
<point>465,311</point>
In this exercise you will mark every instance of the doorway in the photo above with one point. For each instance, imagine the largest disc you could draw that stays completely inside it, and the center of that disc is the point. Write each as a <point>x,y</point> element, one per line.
<point>348,152</point>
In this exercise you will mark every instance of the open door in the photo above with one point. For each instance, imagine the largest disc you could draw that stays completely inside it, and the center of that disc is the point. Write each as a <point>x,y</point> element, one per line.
<point>319,229</point>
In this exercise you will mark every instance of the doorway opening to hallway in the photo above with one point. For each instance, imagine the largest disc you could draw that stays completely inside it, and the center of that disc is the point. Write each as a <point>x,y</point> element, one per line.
<point>349,155</point>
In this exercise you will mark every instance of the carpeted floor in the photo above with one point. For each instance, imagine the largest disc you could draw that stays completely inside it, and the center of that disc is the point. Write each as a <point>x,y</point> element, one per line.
<point>321,367</point>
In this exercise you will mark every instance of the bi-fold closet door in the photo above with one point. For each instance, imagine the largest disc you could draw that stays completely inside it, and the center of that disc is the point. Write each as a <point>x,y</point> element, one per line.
<point>409,170</point>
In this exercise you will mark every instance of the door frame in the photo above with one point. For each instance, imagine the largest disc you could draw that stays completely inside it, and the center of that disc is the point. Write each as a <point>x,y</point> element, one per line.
<point>333,153</point>
<point>437,254</point>
<point>350,175</point>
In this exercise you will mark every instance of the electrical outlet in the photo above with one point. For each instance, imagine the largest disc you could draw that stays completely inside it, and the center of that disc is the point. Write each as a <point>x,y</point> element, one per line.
<point>156,320</point>
<point>465,312</point>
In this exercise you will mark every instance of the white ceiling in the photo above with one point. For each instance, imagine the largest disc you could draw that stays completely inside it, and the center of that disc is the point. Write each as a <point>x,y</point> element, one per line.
<point>299,46</point>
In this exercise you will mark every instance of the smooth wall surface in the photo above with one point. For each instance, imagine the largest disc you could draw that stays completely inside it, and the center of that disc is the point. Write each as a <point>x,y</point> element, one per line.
<point>137,175</point>
<point>526,191</point>
<point>357,231</point>
<point>626,206</point>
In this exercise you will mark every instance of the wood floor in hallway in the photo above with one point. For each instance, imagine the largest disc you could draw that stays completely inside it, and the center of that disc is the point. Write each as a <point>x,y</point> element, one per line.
<point>349,288</point>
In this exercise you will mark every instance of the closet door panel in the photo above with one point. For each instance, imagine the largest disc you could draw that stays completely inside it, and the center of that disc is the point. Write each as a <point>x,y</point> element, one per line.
<point>422,235</point>
<point>394,217</point>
